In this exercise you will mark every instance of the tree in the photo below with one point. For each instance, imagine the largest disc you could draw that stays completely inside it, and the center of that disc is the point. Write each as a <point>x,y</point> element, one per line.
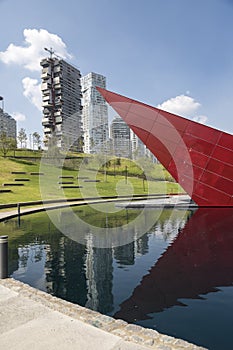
<point>22,137</point>
<point>6,144</point>
<point>80,144</point>
<point>118,161</point>
<point>36,140</point>
<point>53,153</point>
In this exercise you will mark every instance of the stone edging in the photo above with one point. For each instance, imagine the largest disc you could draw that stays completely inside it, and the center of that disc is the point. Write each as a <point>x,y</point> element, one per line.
<point>129,332</point>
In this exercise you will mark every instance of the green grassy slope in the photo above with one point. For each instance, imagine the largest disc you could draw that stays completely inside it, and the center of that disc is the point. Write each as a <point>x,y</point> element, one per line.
<point>112,180</point>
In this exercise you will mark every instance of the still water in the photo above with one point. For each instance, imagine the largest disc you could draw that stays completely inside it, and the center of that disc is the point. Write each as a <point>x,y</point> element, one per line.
<point>176,278</point>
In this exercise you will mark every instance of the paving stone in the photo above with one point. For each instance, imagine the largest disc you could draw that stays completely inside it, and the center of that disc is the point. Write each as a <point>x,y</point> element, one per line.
<point>136,336</point>
<point>149,342</point>
<point>163,347</point>
<point>167,339</point>
<point>134,328</point>
<point>151,333</point>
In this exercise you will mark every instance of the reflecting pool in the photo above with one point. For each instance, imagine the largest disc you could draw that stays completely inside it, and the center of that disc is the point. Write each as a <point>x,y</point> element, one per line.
<point>177,277</point>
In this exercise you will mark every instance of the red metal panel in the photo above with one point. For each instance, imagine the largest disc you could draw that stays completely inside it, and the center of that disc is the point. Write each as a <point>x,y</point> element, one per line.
<point>136,120</point>
<point>138,131</point>
<point>167,146</point>
<point>189,170</point>
<point>141,110</point>
<point>226,141</point>
<point>212,180</point>
<point>180,124</point>
<point>200,158</point>
<point>203,132</point>
<point>220,168</point>
<point>212,194</point>
<point>223,154</point>
<point>199,145</point>
<point>159,150</point>
<point>166,132</point>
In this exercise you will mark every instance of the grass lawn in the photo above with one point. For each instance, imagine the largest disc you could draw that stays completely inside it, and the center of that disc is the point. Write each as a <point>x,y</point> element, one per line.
<point>109,185</point>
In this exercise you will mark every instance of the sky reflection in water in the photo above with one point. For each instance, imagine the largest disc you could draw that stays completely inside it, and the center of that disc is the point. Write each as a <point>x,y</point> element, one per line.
<point>176,278</point>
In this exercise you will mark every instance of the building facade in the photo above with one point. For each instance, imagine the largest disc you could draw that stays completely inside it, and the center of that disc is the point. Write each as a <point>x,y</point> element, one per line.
<point>120,135</point>
<point>7,125</point>
<point>137,146</point>
<point>61,103</point>
<point>94,114</point>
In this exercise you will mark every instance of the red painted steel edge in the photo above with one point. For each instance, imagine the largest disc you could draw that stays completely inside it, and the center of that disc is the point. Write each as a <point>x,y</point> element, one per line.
<point>193,259</point>
<point>200,158</point>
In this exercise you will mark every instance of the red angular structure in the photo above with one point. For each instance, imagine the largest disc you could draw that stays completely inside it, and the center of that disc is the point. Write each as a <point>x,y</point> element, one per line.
<point>198,262</point>
<point>199,158</point>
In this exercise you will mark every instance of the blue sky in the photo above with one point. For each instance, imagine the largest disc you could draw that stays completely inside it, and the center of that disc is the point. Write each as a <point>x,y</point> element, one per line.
<point>175,54</point>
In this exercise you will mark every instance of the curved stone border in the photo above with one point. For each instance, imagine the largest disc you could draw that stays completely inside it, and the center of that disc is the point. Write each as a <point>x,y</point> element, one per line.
<point>62,200</point>
<point>129,332</point>
<point>38,206</point>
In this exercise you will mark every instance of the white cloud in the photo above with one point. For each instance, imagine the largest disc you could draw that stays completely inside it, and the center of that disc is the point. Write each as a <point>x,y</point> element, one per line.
<point>32,90</point>
<point>182,105</point>
<point>19,117</point>
<point>29,55</point>
<point>200,119</point>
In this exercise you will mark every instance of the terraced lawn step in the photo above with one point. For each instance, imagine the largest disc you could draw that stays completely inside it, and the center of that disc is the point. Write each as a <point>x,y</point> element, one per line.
<point>18,172</point>
<point>12,184</point>
<point>91,180</point>
<point>36,173</point>
<point>66,177</point>
<point>65,182</point>
<point>71,186</point>
<point>22,179</point>
<point>4,190</point>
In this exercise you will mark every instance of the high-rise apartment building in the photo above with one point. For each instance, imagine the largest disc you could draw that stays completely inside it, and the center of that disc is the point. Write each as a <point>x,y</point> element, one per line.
<point>94,114</point>
<point>7,125</point>
<point>61,102</point>
<point>137,146</point>
<point>120,135</point>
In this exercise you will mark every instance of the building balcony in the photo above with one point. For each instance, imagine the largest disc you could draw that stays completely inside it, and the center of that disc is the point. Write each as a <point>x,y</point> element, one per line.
<point>45,98</point>
<point>45,122</point>
<point>58,120</point>
<point>46,104</point>
<point>47,130</point>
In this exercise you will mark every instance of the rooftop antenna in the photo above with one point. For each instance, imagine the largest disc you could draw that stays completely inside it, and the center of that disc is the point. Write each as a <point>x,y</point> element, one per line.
<point>50,51</point>
<point>2,99</point>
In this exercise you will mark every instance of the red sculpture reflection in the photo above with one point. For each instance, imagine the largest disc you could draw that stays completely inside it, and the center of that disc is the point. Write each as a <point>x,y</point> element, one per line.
<point>198,262</point>
<point>199,158</point>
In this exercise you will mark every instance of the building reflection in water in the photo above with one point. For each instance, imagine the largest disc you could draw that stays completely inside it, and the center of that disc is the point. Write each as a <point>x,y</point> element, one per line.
<point>99,277</point>
<point>43,257</point>
<point>176,263</point>
<point>192,263</point>
<point>198,262</point>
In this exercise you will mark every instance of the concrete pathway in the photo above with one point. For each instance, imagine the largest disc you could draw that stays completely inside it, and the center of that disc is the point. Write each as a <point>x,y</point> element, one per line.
<point>171,201</point>
<point>32,319</point>
<point>179,201</point>
<point>26,324</point>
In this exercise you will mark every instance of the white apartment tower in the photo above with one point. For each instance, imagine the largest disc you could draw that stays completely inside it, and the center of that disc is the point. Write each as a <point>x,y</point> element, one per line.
<point>137,146</point>
<point>61,102</point>
<point>94,114</point>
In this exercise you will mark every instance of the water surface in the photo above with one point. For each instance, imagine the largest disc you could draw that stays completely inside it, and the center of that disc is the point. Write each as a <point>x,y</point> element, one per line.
<point>176,278</point>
